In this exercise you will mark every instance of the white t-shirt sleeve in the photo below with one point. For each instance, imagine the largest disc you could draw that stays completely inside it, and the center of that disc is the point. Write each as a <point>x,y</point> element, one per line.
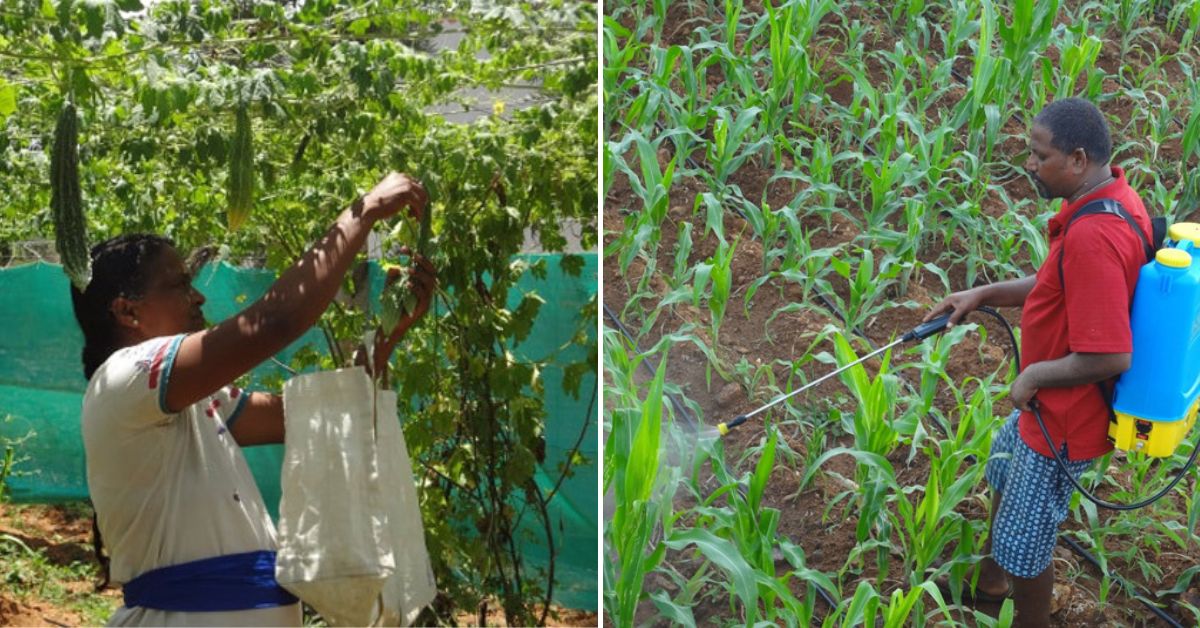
<point>133,381</point>
<point>226,404</point>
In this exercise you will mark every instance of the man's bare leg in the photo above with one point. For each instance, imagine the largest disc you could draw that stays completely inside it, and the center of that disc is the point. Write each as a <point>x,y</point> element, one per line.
<point>1032,598</point>
<point>993,580</point>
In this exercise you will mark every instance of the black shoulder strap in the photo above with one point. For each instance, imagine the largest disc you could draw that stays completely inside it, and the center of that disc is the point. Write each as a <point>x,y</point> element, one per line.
<point>1159,225</point>
<point>1111,206</point>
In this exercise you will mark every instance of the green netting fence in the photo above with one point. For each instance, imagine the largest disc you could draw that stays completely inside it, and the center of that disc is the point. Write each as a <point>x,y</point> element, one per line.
<point>41,391</point>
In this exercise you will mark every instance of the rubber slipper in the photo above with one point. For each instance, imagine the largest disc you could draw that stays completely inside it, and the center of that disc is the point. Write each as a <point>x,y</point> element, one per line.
<point>974,597</point>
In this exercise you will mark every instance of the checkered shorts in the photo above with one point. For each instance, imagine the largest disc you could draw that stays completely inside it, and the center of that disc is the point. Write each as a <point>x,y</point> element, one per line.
<point>1035,499</point>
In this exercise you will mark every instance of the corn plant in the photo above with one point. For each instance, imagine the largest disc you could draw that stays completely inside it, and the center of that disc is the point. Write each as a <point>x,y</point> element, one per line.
<point>1157,124</point>
<point>1004,619</point>
<point>642,229</point>
<point>631,464</point>
<point>1181,12</point>
<point>867,287</point>
<point>993,80</point>
<point>884,179</point>
<point>620,50</point>
<point>808,270</point>
<point>931,368</point>
<point>733,142</point>
<point>1190,143</point>
<point>686,107</point>
<point>866,607</point>
<point>683,252</point>
<point>906,11</point>
<point>793,71</point>
<point>1079,51</point>
<point>1023,41</point>
<point>874,425</point>
<point>875,436</point>
<point>930,523</point>
<point>1125,19</point>
<point>769,225</point>
<point>750,528</point>
<point>815,166</point>
<point>960,24</point>
<point>718,270</point>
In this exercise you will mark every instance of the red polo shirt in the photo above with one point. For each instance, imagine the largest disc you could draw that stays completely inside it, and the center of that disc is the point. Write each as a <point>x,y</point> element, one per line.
<point>1101,262</point>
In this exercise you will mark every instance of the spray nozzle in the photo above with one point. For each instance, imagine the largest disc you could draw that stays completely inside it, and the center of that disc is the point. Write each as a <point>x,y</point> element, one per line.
<point>724,428</point>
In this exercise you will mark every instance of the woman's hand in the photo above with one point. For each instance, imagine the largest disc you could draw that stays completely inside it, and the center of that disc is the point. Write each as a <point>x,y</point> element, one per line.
<point>395,192</point>
<point>423,282</point>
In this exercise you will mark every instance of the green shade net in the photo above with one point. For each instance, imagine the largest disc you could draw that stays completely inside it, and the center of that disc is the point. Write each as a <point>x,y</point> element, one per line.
<point>41,391</point>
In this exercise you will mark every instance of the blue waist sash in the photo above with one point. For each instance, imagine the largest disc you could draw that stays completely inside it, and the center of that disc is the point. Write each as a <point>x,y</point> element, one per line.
<point>235,582</point>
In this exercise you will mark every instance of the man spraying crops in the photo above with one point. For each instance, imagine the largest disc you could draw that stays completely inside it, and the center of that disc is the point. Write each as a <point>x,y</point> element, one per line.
<point>1075,333</point>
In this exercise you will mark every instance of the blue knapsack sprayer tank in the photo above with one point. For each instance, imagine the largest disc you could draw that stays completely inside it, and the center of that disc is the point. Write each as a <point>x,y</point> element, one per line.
<point>1155,401</point>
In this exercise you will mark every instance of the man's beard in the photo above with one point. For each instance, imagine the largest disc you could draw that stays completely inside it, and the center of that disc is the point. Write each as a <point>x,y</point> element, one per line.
<point>1041,188</point>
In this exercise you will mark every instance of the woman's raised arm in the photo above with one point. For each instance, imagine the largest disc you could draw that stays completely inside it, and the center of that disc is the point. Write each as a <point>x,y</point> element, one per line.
<point>210,359</point>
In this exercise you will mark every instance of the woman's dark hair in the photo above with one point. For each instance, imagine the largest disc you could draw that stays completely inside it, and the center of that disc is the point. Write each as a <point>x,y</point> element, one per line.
<point>120,268</point>
<point>1077,123</point>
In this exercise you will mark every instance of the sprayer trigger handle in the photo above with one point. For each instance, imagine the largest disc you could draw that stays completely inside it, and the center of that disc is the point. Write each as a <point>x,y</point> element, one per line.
<point>925,330</point>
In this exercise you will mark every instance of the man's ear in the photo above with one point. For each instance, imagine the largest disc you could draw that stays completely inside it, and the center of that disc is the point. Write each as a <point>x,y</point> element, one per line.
<point>125,311</point>
<point>1078,160</point>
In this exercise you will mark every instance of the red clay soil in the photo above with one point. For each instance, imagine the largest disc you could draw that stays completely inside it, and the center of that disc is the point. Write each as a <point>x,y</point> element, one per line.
<point>64,539</point>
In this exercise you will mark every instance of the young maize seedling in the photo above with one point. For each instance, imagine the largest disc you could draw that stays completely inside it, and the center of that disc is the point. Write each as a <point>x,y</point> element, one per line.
<point>717,269</point>
<point>1024,41</point>
<point>792,71</point>
<point>1080,49</point>
<point>733,142</point>
<point>868,289</point>
<point>1189,11</point>
<point>643,230</point>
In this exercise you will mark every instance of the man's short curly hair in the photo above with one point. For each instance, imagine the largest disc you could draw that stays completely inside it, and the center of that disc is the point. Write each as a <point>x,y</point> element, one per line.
<point>1077,123</point>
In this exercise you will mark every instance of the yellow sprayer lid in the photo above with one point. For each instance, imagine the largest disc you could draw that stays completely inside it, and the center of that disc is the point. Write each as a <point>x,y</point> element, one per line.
<point>1173,258</point>
<point>1181,231</point>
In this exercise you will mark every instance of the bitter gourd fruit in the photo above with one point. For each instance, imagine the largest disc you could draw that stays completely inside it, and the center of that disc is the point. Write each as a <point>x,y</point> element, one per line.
<point>241,171</point>
<point>66,202</point>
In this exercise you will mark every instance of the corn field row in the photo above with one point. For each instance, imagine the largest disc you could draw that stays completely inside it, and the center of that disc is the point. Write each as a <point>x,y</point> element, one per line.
<point>815,165</point>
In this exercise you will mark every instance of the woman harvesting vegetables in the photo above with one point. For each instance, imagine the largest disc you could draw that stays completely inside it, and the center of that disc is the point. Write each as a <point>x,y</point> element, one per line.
<point>187,530</point>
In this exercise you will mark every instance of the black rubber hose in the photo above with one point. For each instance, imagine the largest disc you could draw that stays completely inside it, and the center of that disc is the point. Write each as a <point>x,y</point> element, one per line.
<point>1062,463</point>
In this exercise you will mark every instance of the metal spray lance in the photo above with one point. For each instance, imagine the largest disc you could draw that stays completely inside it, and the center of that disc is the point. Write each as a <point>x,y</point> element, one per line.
<point>920,332</point>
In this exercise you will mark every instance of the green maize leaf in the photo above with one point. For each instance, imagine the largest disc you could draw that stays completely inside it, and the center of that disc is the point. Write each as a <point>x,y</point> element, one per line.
<point>680,614</point>
<point>644,453</point>
<point>871,460</point>
<point>762,472</point>
<point>862,606</point>
<point>725,555</point>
